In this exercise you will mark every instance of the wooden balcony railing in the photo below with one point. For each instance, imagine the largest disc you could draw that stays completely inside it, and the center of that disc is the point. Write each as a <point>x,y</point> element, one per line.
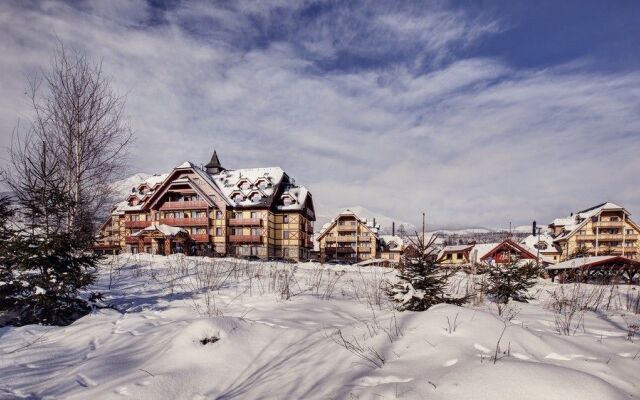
<point>245,222</point>
<point>245,239</point>
<point>608,224</point>
<point>199,221</point>
<point>200,237</point>
<point>349,238</point>
<point>330,239</point>
<point>135,240</point>
<point>347,228</point>
<point>137,224</point>
<point>184,205</point>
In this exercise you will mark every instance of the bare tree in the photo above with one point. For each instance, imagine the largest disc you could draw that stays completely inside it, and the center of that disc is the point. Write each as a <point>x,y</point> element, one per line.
<point>80,119</point>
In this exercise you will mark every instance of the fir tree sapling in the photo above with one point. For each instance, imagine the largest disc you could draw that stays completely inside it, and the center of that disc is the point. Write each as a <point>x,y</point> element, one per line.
<point>505,282</point>
<point>421,282</point>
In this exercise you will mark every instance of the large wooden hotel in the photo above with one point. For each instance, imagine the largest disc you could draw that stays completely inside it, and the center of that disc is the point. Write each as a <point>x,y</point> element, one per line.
<point>210,210</point>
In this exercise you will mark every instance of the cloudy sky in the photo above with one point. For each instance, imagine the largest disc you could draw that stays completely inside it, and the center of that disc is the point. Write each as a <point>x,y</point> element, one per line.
<point>479,113</point>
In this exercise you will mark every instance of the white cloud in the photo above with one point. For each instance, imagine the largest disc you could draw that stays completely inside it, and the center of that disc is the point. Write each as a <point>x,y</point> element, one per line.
<point>473,141</point>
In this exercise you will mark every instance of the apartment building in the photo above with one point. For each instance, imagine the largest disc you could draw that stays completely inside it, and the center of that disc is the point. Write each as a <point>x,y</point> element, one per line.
<point>348,238</point>
<point>210,210</point>
<point>605,229</point>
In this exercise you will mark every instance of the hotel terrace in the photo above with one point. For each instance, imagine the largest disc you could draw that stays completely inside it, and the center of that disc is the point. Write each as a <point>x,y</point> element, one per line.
<point>210,210</point>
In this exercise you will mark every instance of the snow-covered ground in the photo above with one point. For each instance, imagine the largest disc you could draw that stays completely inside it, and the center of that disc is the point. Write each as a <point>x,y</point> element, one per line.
<point>287,331</point>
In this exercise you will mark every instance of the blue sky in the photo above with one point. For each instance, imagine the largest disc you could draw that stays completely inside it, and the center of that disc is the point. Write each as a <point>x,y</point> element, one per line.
<point>481,113</point>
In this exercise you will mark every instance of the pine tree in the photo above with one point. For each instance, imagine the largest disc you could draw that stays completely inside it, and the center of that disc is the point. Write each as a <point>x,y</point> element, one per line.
<point>421,282</point>
<point>44,265</point>
<point>510,282</point>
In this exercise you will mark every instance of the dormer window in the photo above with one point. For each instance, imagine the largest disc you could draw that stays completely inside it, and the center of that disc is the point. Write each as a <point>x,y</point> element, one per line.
<point>287,201</point>
<point>237,197</point>
<point>255,197</point>
<point>244,184</point>
<point>262,183</point>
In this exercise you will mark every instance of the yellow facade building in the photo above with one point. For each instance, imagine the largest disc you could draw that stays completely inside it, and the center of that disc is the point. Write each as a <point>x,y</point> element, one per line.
<point>605,229</point>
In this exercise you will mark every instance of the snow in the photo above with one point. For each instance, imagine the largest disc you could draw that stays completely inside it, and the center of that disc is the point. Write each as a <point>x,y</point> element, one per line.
<point>580,262</point>
<point>167,230</point>
<point>270,347</point>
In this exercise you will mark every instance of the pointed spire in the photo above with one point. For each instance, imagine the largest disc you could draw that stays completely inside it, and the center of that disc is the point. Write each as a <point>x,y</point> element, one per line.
<point>214,166</point>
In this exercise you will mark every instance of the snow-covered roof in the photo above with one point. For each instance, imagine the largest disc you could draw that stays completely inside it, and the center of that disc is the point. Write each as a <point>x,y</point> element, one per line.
<point>346,213</point>
<point>585,262</point>
<point>546,239</point>
<point>247,187</point>
<point>392,242</point>
<point>166,230</point>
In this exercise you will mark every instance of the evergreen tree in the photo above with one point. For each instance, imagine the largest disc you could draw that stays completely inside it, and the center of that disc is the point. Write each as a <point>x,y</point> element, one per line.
<point>510,282</point>
<point>421,282</point>
<point>44,265</point>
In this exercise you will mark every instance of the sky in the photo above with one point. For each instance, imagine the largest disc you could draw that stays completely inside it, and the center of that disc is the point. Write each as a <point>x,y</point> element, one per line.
<point>479,113</point>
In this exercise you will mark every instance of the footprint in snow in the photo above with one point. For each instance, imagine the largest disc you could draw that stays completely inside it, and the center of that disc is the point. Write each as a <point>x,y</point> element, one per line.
<point>84,381</point>
<point>144,383</point>
<point>559,357</point>
<point>122,391</point>
<point>481,348</point>
<point>370,381</point>
<point>95,343</point>
<point>521,356</point>
<point>451,362</point>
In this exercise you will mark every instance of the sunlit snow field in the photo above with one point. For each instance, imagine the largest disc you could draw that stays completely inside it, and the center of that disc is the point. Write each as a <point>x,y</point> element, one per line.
<point>308,331</point>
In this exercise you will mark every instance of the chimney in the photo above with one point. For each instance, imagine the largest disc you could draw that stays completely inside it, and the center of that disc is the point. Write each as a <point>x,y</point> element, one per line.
<point>374,222</point>
<point>393,228</point>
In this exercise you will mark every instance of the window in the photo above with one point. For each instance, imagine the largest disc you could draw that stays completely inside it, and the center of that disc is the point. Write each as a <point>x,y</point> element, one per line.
<point>614,219</point>
<point>285,219</point>
<point>218,231</point>
<point>237,231</point>
<point>285,252</point>
<point>449,256</point>
<point>285,234</point>
<point>256,231</point>
<point>237,214</point>
<point>218,214</point>
<point>254,214</point>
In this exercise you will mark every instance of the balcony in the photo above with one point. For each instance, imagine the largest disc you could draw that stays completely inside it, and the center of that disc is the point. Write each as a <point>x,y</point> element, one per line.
<point>200,237</point>
<point>245,239</point>
<point>245,222</point>
<point>200,221</point>
<point>347,228</point>
<point>586,237</point>
<point>330,239</point>
<point>364,249</point>
<point>135,240</point>
<point>184,205</point>
<point>137,224</point>
<point>608,224</point>
<point>346,238</point>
